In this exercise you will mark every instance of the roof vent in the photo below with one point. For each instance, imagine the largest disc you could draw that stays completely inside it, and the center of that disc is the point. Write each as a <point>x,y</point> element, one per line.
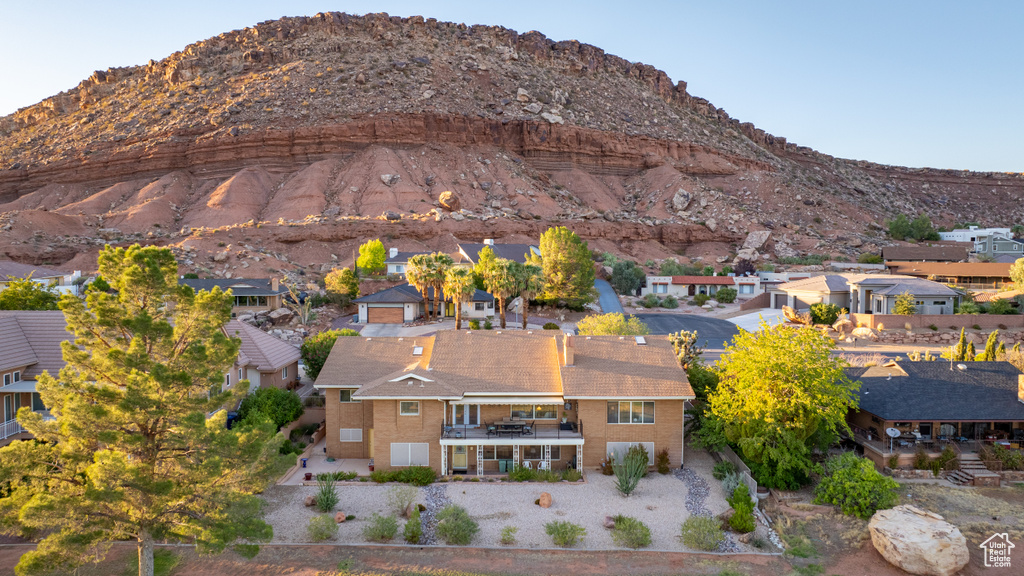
<point>409,382</point>
<point>368,339</point>
<point>421,385</point>
<point>498,332</point>
<point>588,337</point>
<point>641,341</point>
<point>622,337</point>
<point>529,332</point>
<point>400,339</point>
<point>961,367</point>
<point>417,350</point>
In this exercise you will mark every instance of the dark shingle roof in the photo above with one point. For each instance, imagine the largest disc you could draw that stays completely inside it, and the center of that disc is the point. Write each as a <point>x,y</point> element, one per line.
<point>517,252</point>
<point>406,293</point>
<point>402,257</point>
<point>10,270</point>
<point>930,391</point>
<point>238,286</point>
<point>33,337</point>
<point>926,253</point>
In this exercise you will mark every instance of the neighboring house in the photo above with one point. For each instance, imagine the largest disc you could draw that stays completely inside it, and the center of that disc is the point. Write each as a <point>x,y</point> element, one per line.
<point>397,261</point>
<point>865,293</point>
<point>999,248</point>
<point>518,252</point>
<point>972,233</point>
<point>688,286</point>
<point>925,253</point>
<point>252,295</point>
<point>969,274</point>
<point>404,303</point>
<point>481,402</point>
<point>29,345</point>
<point>930,403</point>
<point>263,360</point>
<point>61,282</point>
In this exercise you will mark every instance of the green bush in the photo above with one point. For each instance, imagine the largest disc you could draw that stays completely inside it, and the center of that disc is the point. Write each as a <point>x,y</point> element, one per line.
<point>627,277</point>
<point>726,295</point>
<point>742,519</point>
<point>277,405</point>
<point>400,499</point>
<point>731,481</point>
<point>565,533</point>
<point>649,301</point>
<point>488,325</point>
<point>522,474</point>
<point>338,476</point>
<point>853,484</point>
<point>551,326</point>
<point>1011,459</point>
<point>413,528</point>
<point>722,468</point>
<point>630,532</point>
<point>921,459</point>
<point>508,535</point>
<point>454,525</point>
<point>415,475</point>
<point>474,324</point>
<point>822,313</point>
<point>670,302</point>
<point>321,527</point>
<point>867,258</point>
<point>572,475</point>
<point>315,349</point>
<point>702,533</point>
<point>701,299</point>
<point>1000,307</point>
<point>289,447</point>
<point>326,495</point>
<point>663,463</point>
<point>968,308</point>
<point>380,528</point>
<point>631,470</point>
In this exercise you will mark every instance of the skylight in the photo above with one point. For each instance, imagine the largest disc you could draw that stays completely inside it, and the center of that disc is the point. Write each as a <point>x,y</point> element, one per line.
<point>417,350</point>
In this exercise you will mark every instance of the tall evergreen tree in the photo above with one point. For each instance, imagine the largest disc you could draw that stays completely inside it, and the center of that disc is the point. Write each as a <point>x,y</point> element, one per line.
<point>971,354</point>
<point>130,452</point>
<point>989,354</point>
<point>959,352</point>
<point>568,267</point>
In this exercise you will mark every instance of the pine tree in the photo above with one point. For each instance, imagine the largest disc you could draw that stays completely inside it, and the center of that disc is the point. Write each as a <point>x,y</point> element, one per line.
<point>971,354</point>
<point>1016,347</point>
<point>1001,351</point>
<point>960,350</point>
<point>989,354</point>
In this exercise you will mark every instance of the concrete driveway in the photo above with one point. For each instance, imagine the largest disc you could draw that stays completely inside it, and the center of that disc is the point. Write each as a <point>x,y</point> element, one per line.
<point>752,322</point>
<point>712,333</point>
<point>607,297</point>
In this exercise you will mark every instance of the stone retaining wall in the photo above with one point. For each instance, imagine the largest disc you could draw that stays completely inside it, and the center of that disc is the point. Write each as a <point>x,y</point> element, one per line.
<point>897,335</point>
<point>943,321</point>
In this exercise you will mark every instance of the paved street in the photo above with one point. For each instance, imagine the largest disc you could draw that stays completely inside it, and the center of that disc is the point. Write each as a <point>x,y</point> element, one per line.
<point>607,298</point>
<point>713,333</point>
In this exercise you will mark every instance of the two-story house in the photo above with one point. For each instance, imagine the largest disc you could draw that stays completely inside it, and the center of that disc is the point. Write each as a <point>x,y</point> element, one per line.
<point>29,345</point>
<point>251,295</point>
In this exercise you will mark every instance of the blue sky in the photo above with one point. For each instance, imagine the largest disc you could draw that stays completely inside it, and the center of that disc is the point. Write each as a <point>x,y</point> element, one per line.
<point>937,84</point>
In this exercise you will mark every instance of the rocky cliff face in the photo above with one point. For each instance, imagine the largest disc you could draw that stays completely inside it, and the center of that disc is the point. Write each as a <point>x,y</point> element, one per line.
<point>328,122</point>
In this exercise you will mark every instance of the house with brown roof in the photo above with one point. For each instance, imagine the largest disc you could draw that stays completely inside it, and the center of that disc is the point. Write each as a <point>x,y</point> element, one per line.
<point>967,274</point>
<point>926,253</point>
<point>404,303</point>
<point>252,295</point>
<point>29,345</point>
<point>865,293</point>
<point>472,402</point>
<point>685,287</point>
<point>263,360</point>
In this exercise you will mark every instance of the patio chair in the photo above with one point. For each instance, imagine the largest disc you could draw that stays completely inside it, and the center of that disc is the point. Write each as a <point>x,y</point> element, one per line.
<point>491,430</point>
<point>528,429</point>
<point>527,464</point>
<point>447,432</point>
<point>544,465</point>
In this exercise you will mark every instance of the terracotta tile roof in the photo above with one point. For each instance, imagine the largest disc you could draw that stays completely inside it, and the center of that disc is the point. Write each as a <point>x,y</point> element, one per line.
<point>926,253</point>
<point>959,269</point>
<point>41,332</point>
<point>357,360</point>
<point>1006,295</point>
<point>10,270</point>
<point>262,349</point>
<point>708,280</point>
<point>610,367</point>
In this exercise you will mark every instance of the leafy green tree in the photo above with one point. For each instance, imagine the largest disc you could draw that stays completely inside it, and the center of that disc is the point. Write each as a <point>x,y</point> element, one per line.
<point>342,285</point>
<point>1017,273</point>
<point>708,270</point>
<point>568,267</point>
<point>822,313</point>
<point>317,348</point>
<point>853,484</point>
<point>726,295</point>
<point>614,323</point>
<point>905,304</point>
<point>25,294</point>
<point>271,404</point>
<point>781,392</point>
<point>921,229</point>
<point>371,257</point>
<point>627,277</point>
<point>130,452</point>
<point>899,228</point>
<point>502,283</point>
<point>99,284</point>
<point>459,285</point>
<point>484,264</point>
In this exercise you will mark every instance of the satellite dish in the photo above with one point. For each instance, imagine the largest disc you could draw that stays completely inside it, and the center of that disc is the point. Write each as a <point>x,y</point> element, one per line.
<point>893,432</point>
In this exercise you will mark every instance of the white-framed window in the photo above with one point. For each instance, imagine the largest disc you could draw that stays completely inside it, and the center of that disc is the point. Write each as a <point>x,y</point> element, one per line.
<point>399,268</point>
<point>409,407</point>
<point>537,452</point>
<point>746,288</point>
<point>535,412</point>
<point>7,379</point>
<point>284,372</point>
<point>631,412</point>
<point>478,306</point>
<point>490,305</point>
<point>497,452</point>
<point>227,382</point>
<point>240,375</point>
<point>17,376</point>
<point>661,288</point>
<point>345,396</point>
<point>351,435</point>
<point>619,449</point>
<point>466,414</point>
<point>410,454</point>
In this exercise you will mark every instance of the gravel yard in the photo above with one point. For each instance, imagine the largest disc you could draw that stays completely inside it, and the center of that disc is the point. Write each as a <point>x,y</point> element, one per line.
<point>661,502</point>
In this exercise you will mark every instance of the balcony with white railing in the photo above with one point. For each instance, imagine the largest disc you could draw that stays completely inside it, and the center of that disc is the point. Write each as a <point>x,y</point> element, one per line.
<point>13,428</point>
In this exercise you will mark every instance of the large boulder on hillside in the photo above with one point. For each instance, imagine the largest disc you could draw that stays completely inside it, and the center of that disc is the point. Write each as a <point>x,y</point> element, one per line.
<point>756,239</point>
<point>919,542</point>
<point>449,201</point>
<point>864,332</point>
<point>681,200</point>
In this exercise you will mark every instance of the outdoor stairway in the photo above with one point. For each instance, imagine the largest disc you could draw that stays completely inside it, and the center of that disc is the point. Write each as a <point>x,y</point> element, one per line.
<point>971,467</point>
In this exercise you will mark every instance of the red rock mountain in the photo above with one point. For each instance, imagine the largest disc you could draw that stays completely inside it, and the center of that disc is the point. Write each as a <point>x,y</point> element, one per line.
<point>282,145</point>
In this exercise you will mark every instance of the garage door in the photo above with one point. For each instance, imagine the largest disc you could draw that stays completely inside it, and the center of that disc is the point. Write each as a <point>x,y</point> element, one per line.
<point>385,315</point>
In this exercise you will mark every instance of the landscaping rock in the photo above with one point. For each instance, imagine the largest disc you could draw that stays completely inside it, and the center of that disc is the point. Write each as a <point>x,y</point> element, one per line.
<point>449,201</point>
<point>609,522</point>
<point>309,501</point>
<point>281,315</point>
<point>545,500</point>
<point>339,517</point>
<point>864,332</point>
<point>919,542</point>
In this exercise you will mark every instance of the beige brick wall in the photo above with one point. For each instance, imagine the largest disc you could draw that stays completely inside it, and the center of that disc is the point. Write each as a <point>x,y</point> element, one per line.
<point>389,427</point>
<point>666,432</point>
<point>347,415</point>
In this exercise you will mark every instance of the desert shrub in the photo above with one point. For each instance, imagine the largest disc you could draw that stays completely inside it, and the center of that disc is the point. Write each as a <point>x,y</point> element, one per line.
<point>933,327</point>
<point>413,528</point>
<point>1011,459</point>
<point>289,447</point>
<point>400,499</point>
<point>632,469</point>
<point>565,533</point>
<point>338,476</point>
<point>631,533</point>
<point>551,326</point>
<point>380,476</point>
<point>326,494</point>
<point>572,475</point>
<point>701,533</point>
<point>948,455</point>
<point>321,527</point>
<point>701,299</point>
<point>649,301</point>
<point>415,475</point>
<point>662,462</point>
<point>1000,307</point>
<point>921,459</point>
<point>968,308</point>
<point>742,519</point>
<point>474,324</point>
<point>822,313</point>
<point>722,468</point>
<point>853,484</point>
<point>608,465</point>
<point>508,535</point>
<point>866,258</point>
<point>488,325</point>
<point>274,404</point>
<point>894,461</point>
<point>522,474</point>
<point>731,481</point>
<point>454,525</point>
<point>670,302</point>
<point>726,295</point>
<point>380,528</point>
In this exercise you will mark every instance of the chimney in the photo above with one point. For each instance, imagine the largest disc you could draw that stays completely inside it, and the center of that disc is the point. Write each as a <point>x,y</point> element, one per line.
<point>274,284</point>
<point>1020,387</point>
<point>568,345</point>
<point>489,241</point>
<point>392,252</point>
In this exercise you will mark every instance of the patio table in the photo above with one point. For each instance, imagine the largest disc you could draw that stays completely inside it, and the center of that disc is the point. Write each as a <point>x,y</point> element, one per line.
<point>511,428</point>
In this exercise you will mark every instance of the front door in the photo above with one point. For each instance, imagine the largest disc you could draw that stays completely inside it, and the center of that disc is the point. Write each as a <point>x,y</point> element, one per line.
<point>449,309</point>
<point>460,460</point>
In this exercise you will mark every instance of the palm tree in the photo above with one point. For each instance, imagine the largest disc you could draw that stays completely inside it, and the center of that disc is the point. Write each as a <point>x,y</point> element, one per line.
<point>501,283</point>
<point>417,274</point>
<point>459,285</point>
<point>530,282</point>
<point>440,263</point>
